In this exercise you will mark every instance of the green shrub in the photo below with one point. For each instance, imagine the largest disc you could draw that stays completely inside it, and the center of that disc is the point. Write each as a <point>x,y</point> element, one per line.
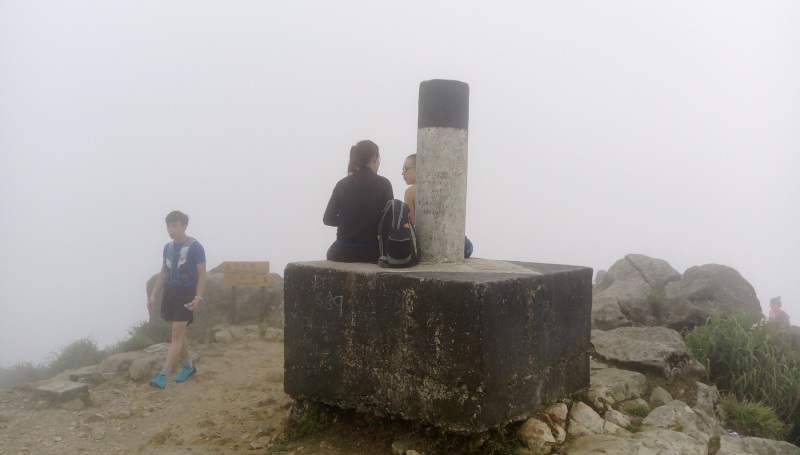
<point>79,353</point>
<point>23,373</point>
<point>752,362</point>
<point>638,410</point>
<point>752,419</point>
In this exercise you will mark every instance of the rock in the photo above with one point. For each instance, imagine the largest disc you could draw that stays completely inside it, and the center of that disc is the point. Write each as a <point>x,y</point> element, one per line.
<point>118,363</point>
<point>647,349</point>
<point>536,436</point>
<point>558,413</point>
<point>146,367</point>
<point>659,397</point>
<point>706,290</point>
<point>678,416</point>
<point>160,347</point>
<point>625,285</point>
<point>259,443</point>
<point>707,398</point>
<point>559,433</point>
<point>84,374</point>
<point>94,418</point>
<point>657,273</point>
<point>617,418</point>
<point>729,445</point>
<point>622,270</point>
<point>252,332</point>
<point>59,391</point>
<point>238,332</point>
<point>584,421</point>
<point>606,313</point>
<point>400,446</point>
<point>612,385</point>
<point>223,336</point>
<point>664,442</point>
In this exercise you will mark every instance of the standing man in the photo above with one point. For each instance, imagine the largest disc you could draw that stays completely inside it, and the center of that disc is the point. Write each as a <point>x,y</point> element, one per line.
<point>183,277</point>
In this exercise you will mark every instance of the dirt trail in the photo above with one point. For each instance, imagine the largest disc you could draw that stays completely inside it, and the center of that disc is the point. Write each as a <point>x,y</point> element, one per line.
<point>233,403</point>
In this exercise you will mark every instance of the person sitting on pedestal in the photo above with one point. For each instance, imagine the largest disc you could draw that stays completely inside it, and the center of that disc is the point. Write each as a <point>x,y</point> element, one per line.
<point>356,206</point>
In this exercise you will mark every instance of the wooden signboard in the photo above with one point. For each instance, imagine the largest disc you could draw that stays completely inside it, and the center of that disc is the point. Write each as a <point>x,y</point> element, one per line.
<point>245,268</point>
<point>252,273</point>
<point>247,280</point>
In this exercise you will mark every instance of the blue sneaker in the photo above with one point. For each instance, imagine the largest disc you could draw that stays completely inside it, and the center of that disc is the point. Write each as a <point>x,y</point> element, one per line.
<point>159,382</point>
<point>184,374</point>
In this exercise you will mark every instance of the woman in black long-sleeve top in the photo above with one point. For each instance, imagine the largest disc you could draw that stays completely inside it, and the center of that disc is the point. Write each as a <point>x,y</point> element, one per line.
<point>356,206</point>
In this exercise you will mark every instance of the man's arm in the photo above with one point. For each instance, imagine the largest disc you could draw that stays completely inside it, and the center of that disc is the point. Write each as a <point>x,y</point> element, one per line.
<point>201,286</point>
<point>410,198</point>
<point>162,276</point>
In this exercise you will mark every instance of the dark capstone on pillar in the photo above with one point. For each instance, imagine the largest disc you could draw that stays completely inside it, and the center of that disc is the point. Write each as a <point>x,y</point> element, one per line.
<point>465,347</point>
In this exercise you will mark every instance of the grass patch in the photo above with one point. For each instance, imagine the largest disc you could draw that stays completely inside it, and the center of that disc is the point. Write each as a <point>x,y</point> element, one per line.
<point>79,353</point>
<point>752,419</point>
<point>713,445</point>
<point>754,363</point>
<point>638,411</point>
<point>634,427</point>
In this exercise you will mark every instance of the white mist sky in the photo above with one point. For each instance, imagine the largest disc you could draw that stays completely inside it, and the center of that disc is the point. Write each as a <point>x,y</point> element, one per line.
<point>597,129</point>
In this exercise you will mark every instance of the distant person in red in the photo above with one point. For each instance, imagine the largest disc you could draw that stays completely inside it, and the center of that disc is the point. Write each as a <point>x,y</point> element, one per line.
<point>356,206</point>
<point>183,277</point>
<point>776,314</point>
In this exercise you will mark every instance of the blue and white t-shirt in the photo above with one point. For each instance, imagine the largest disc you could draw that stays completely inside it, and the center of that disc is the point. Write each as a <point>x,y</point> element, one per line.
<point>181,260</point>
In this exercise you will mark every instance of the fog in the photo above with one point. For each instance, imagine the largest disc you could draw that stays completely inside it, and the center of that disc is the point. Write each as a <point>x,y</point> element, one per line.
<point>597,129</point>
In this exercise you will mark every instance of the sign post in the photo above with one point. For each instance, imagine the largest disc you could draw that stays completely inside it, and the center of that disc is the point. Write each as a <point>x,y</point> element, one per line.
<point>253,273</point>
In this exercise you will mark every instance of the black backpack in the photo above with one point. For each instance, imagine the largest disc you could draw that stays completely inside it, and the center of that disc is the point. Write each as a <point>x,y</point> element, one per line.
<point>397,238</point>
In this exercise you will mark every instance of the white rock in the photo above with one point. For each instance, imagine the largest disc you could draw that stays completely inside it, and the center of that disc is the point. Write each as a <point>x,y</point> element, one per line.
<point>659,397</point>
<point>583,421</point>
<point>617,418</point>
<point>613,385</point>
<point>729,445</point>
<point>223,336</point>
<point>662,442</point>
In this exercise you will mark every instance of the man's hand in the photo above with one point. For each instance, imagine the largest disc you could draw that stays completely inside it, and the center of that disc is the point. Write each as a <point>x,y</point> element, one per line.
<point>193,304</point>
<point>151,303</point>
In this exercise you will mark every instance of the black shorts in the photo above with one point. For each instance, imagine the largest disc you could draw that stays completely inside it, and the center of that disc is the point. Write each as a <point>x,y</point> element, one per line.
<point>172,305</point>
<point>354,253</point>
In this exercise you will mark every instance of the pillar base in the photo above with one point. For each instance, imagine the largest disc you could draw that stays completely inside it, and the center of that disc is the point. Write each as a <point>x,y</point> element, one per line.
<point>465,347</point>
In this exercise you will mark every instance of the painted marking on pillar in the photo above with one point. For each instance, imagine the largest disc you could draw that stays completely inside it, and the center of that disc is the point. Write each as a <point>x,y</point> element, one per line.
<point>330,302</point>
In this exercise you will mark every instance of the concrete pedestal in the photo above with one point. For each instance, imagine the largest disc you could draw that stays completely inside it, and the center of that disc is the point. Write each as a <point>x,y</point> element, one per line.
<point>465,346</point>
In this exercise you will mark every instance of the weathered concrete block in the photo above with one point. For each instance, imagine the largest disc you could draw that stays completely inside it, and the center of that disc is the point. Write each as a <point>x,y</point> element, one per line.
<point>465,346</point>
<point>59,391</point>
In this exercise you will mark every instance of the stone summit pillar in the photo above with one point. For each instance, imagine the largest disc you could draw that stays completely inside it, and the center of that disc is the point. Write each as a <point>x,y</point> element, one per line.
<point>465,345</point>
<point>441,204</point>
